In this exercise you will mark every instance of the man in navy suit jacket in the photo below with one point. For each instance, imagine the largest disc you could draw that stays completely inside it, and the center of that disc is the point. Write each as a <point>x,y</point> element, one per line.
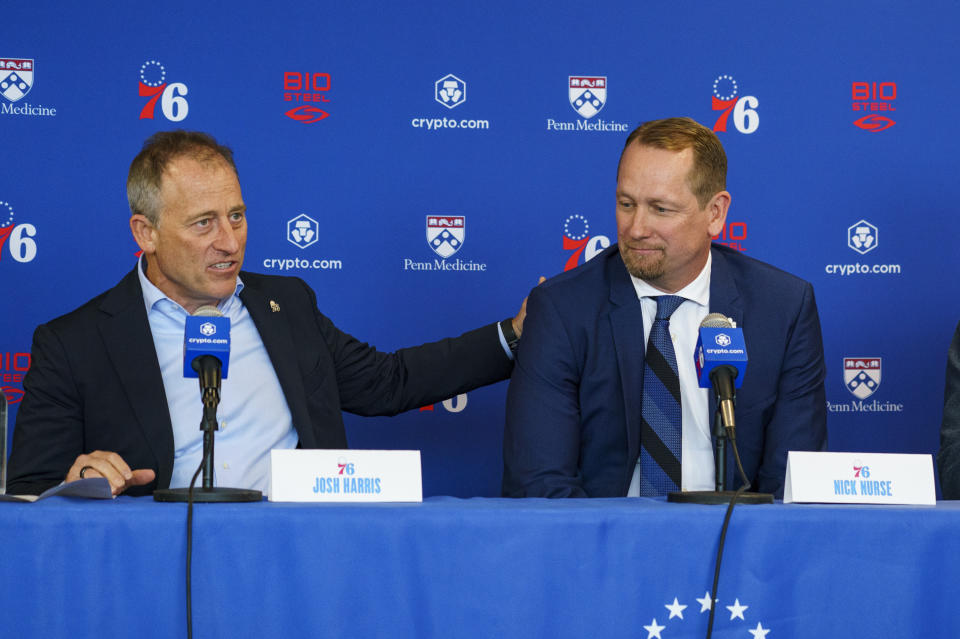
<point>574,406</point>
<point>103,383</point>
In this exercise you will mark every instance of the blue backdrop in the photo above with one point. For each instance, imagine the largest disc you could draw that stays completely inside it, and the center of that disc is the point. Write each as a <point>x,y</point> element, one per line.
<point>354,122</point>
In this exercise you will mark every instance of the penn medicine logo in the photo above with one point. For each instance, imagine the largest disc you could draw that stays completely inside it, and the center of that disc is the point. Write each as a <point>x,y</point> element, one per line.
<point>445,233</point>
<point>861,378</point>
<point>587,94</point>
<point>861,375</point>
<point>445,237</point>
<point>16,78</point>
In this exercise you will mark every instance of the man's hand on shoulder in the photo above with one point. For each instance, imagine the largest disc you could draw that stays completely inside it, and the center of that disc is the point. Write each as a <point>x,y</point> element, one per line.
<point>101,463</point>
<point>522,315</point>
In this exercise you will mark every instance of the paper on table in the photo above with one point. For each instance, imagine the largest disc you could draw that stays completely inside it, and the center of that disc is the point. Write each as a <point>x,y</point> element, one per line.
<point>90,488</point>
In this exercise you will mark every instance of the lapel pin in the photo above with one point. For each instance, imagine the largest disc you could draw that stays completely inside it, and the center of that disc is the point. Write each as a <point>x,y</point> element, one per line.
<point>274,306</point>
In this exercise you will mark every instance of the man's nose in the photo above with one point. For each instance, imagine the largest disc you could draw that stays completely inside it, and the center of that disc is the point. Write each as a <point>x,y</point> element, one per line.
<point>639,225</point>
<point>228,238</point>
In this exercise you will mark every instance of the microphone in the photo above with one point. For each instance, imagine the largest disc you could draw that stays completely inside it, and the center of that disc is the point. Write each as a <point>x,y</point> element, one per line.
<point>206,355</point>
<point>721,361</point>
<point>206,350</point>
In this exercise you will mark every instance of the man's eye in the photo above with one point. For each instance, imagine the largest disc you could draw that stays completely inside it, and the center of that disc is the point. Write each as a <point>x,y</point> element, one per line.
<point>203,223</point>
<point>236,217</point>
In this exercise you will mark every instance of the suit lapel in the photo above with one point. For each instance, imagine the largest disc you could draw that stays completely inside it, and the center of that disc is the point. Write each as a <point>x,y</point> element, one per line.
<point>626,325</point>
<point>126,335</point>
<point>274,330</point>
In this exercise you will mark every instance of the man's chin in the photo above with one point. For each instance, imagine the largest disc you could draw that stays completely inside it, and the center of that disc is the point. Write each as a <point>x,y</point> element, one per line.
<point>644,269</point>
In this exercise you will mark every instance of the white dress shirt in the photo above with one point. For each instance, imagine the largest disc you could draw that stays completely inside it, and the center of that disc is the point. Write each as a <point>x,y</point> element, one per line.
<point>253,413</point>
<point>696,464</point>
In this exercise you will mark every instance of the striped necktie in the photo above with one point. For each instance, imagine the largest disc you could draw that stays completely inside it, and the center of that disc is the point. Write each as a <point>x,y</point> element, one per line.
<point>660,425</point>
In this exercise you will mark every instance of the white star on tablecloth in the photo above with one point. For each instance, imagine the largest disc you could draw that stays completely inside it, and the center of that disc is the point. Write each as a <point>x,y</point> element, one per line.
<point>736,610</point>
<point>704,602</point>
<point>676,609</point>
<point>653,630</point>
<point>759,632</point>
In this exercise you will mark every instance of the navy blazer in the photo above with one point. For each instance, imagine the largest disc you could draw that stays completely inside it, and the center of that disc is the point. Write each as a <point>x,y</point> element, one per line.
<point>948,457</point>
<point>95,381</point>
<point>574,403</point>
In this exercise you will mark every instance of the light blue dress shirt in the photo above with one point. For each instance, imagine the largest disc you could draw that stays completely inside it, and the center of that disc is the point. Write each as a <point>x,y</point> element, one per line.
<point>253,414</point>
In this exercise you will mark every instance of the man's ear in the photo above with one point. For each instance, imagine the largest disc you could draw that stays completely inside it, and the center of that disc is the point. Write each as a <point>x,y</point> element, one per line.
<point>717,210</point>
<point>144,233</point>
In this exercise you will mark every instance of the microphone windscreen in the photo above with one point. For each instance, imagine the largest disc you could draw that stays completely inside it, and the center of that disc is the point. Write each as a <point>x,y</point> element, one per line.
<point>213,311</point>
<point>717,320</point>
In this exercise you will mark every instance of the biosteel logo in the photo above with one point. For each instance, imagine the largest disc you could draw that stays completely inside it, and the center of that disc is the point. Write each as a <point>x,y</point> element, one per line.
<point>874,97</point>
<point>310,90</point>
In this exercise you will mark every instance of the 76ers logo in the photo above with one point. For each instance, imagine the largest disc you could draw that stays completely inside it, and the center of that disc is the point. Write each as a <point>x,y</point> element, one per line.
<point>745,117</point>
<point>576,238</point>
<point>153,85</point>
<point>22,247</point>
<point>445,233</point>
<point>861,375</point>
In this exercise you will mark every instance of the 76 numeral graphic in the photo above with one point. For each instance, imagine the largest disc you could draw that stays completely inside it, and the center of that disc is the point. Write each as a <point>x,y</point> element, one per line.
<point>745,117</point>
<point>153,85</point>
<point>172,103</point>
<point>23,248</point>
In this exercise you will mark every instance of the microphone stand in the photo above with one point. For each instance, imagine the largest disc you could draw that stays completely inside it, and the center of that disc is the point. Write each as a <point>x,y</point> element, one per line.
<point>719,495</point>
<point>210,393</point>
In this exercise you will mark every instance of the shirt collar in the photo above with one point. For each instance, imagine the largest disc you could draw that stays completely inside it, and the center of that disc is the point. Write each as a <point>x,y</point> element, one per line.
<point>153,296</point>
<point>696,291</point>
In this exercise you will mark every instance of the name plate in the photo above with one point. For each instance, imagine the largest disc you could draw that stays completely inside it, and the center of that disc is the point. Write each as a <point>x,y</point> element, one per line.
<point>859,478</point>
<point>345,475</point>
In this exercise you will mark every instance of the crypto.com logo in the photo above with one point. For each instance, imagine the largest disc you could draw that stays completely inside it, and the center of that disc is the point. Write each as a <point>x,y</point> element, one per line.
<point>724,98</point>
<point>450,91</point>
<point>302,231</point>
<point>863,237</point>
<point>16,77</point>
<point>306,87</point>
<point>874,96</point>
<point>577,238</point>
<point>22,246</point>
<point>153,85</point>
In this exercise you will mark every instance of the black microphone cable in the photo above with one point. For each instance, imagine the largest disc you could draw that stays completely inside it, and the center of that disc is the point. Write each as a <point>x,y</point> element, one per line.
<point>193,481</point>
<point>723,534</point>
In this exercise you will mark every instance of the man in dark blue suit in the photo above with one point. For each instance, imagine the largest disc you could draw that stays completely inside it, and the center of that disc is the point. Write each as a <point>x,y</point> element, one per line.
<point>106,395</point>
<point>577,424</point>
